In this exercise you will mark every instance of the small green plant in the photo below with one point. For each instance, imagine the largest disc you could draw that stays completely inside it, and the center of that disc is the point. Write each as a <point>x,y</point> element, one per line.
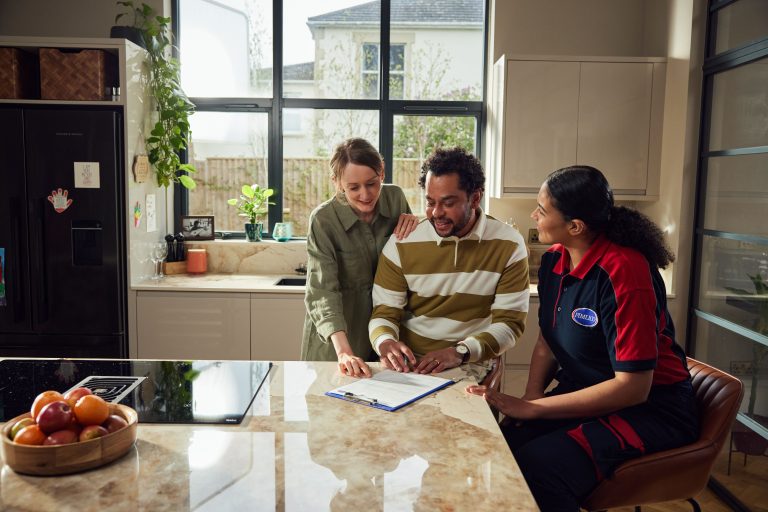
<point>759,352</point>
<point>253,202</point>
<point>170,133</point>
<point>141,16</point>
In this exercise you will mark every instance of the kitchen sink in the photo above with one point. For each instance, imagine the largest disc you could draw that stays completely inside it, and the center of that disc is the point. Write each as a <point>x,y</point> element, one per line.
<point>292,281</point>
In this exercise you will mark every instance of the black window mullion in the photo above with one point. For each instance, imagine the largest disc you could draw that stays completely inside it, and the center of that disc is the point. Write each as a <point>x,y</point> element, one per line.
<point>275,155</point>
<point>385,114</point>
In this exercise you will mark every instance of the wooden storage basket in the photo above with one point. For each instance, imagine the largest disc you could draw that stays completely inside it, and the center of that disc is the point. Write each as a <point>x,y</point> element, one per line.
<point>76,74</point>
<point>18,74</point>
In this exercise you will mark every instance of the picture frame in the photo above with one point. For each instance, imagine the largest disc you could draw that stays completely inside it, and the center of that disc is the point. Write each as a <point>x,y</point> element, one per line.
<point>197,227</point>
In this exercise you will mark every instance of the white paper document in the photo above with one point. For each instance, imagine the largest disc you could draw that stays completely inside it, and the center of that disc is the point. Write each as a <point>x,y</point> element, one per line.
<point>390,390</point>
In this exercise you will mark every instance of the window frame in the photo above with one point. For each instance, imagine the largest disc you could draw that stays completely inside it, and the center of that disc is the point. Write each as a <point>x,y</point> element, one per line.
<point>274,106</point>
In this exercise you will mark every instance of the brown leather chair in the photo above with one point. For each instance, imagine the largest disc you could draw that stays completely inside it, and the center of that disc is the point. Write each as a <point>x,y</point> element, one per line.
<point>681,473</point>
<point>494,379</point>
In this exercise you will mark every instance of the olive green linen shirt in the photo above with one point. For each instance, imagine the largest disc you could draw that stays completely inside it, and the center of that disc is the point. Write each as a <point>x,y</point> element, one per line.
<point>343,252</point>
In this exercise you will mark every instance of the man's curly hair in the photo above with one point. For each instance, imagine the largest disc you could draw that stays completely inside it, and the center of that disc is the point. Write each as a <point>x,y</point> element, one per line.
<point>455,160</point>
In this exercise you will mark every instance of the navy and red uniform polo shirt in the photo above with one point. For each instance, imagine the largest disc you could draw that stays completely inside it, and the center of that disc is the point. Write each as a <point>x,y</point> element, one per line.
<point>608,314</point>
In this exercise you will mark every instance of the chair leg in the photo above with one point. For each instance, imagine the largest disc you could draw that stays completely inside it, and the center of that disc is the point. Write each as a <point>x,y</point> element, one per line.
<point>694,504</point>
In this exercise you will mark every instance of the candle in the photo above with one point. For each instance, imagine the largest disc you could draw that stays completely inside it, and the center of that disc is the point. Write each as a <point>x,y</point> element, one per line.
<point>197,261</point>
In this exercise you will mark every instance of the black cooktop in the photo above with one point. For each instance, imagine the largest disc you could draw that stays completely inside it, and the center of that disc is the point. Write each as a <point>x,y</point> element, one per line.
<point>159,391</point>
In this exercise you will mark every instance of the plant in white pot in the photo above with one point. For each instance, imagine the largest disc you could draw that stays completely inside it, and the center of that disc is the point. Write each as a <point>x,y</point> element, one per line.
<point>253,204</point>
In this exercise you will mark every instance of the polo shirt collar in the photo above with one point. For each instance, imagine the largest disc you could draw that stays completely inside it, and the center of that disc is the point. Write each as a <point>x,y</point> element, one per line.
<point>477,232</point>
<point>590,259</point>
<point>347,215</point>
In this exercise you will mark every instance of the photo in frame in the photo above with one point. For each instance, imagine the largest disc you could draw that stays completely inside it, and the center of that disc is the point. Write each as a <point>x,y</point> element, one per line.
<point>197,227</point>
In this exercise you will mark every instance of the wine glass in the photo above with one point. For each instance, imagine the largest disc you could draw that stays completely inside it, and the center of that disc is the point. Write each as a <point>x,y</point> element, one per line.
<point>159,250</point>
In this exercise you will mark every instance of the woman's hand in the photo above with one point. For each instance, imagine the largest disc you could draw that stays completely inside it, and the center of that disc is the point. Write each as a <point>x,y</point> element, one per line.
<point>350,364</point>
<point>405,224</point>
<point>505,404</point>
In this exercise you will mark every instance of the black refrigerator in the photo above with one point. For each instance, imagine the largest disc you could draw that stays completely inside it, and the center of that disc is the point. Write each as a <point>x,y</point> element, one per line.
<point>62,236</point>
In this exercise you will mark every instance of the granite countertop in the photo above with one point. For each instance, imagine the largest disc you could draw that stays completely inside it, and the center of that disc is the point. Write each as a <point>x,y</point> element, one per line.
<point>299,450</point>
<point>221,283</point>
<point>230,283</point>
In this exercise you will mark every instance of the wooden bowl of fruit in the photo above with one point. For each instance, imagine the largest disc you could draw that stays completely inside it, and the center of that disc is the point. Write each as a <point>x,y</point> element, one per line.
<point>68,433</point>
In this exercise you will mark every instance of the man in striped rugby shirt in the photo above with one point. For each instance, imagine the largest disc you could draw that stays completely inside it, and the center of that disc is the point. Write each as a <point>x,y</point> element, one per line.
<point>456,289</point>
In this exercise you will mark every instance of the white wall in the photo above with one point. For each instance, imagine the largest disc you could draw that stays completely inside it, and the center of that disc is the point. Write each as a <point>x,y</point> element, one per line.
<point>64,18</point>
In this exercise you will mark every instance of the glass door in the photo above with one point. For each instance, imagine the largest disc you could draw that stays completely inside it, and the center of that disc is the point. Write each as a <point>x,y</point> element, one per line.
<point>729,295</point>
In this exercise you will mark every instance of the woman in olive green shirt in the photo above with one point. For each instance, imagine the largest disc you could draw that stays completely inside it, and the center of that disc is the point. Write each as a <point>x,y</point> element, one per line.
<point>346,236</point>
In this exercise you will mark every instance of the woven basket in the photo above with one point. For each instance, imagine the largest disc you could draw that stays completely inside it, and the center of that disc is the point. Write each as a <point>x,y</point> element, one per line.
<point>76,74</point>
<point>18,74</point>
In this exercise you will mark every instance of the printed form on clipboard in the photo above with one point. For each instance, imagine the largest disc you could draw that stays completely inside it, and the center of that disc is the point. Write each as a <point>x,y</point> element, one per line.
<point>390,390</point>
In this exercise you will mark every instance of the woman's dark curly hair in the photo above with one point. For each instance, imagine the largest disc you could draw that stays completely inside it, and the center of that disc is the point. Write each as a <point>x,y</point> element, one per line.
<point>582,192</point>
<point>446,161</point>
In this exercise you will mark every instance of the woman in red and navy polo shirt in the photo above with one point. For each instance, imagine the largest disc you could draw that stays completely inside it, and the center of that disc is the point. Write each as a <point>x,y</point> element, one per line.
<point>606,336</point>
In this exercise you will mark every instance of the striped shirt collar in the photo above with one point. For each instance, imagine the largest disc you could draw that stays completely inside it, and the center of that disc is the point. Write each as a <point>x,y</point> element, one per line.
<point>477,232</point>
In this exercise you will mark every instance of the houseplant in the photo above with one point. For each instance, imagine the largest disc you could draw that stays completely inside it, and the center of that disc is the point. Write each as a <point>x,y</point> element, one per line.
<point>170,132</point>
<point>140,19</point>
<point>253,204</point>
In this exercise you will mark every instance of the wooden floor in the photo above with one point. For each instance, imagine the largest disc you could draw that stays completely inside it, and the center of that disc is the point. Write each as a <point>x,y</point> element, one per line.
<point>707,500</point>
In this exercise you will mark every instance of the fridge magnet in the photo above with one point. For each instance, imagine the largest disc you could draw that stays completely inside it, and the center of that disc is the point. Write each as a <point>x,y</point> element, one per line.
<point>87,175</point>
<point>197,227</point>
<point>59,200</point>
<point>140,168</point>
<point>3,302</point>
<point>137,214</point>
<point>150,212</point>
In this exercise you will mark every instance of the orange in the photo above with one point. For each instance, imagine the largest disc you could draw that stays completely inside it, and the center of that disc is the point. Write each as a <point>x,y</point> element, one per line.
<point>30,435</point>
<point>44,399</point>
<point>91,410</point>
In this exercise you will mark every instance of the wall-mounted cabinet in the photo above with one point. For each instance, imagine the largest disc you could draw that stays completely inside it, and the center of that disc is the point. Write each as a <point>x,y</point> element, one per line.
<point>548,113</point>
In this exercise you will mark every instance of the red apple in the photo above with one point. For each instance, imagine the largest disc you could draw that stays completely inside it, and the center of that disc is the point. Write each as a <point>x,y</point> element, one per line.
<point>92,432</point>
<point>114,423</point>
<point>61,437</point>
<point>54,416</point>
<point>73,395</point>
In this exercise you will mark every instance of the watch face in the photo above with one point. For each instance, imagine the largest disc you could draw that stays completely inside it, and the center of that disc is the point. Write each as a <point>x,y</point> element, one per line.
<point>462,349</point>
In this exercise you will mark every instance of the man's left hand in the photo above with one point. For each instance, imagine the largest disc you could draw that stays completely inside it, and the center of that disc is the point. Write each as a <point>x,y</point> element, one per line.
<point>438,360</point>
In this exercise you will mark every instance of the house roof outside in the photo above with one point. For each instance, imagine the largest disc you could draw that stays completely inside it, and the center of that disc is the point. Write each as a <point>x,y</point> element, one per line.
<point>407,13</point>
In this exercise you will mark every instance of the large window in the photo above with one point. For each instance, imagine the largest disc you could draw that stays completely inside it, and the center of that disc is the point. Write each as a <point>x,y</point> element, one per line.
<point>277,84</point>
<point>728,325</point>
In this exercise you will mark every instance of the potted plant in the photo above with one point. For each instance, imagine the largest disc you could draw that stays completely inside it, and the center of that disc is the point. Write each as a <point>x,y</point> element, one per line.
<point>744,439</point>
<point>170,132</point>
<point>139,23</point>
<point>253,204</point>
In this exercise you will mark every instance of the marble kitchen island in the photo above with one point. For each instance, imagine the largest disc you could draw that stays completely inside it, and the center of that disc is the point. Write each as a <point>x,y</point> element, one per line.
<point>300,450</point>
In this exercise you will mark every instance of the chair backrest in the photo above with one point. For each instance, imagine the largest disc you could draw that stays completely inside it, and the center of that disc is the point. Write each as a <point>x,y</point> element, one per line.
<point>680,473</point>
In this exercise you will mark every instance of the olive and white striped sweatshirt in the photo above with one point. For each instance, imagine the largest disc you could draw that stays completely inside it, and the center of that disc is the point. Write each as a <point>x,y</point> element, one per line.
<point>431,292</point>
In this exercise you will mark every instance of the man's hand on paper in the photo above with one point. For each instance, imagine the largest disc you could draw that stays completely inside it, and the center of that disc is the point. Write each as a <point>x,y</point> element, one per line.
<point>438,360</point>
<point>396,356</point>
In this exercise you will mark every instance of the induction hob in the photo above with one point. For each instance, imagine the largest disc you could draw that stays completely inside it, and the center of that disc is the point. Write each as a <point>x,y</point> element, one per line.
<point>159,391</point>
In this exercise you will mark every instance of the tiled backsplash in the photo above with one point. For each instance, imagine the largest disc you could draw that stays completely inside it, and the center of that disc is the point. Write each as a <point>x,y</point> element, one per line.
<point>265,257</point>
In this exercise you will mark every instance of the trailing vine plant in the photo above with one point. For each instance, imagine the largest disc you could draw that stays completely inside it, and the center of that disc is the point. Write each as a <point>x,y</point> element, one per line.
<point>170,132</point>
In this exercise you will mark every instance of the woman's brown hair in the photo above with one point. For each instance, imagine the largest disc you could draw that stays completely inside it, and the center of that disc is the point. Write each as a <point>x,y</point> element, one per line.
<point>356,151</point>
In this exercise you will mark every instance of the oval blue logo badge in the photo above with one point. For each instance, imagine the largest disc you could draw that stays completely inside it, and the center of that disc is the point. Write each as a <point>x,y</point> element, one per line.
<point>585,317</point>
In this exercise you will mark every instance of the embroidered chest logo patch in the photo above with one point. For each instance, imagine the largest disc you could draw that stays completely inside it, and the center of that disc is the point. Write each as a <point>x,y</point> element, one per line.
<point>585,317</point>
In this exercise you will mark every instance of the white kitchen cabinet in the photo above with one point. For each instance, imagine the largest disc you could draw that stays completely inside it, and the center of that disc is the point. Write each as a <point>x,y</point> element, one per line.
<point>518,358</point>
<point>548,113</point>
<point>277,321</point>
<point>193,325</point>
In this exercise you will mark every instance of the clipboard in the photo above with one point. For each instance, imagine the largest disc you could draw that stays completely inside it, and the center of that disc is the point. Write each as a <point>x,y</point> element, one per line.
<point>389,390</point>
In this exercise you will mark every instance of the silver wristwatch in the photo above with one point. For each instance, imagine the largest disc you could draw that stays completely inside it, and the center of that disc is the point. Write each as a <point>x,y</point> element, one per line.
<point>463,352</point>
